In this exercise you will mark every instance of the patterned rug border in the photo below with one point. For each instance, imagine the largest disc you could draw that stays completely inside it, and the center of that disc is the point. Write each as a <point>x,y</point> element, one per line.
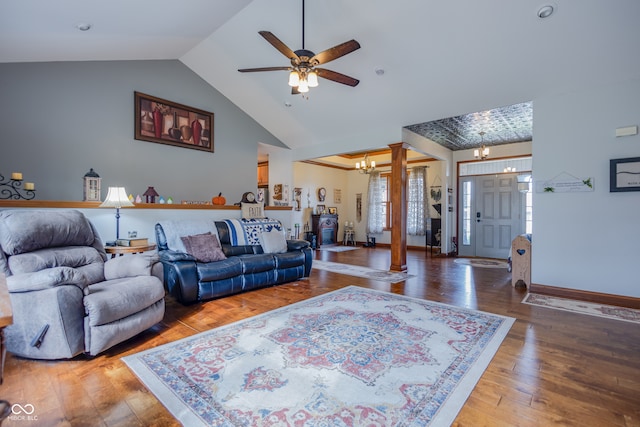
<point>361,271</point>
<point>482,262</point>
<point>623,314</point>
<point>338,248</point>
<point>444,416</point>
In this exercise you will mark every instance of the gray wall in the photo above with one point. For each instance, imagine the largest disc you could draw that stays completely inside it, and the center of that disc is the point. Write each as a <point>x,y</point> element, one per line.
<point>60,119</point>
<point>586,240</point>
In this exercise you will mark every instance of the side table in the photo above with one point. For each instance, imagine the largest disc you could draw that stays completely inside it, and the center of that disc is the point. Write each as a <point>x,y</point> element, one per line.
<point>6,318</point>
<point>121,250</point>
<point>349,237</point>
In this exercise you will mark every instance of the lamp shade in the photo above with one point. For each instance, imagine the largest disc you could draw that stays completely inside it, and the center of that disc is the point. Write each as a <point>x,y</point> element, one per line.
<point>312,79</point>
<point>294,78</point>
<point>303,86</point>
<point>116,198</point>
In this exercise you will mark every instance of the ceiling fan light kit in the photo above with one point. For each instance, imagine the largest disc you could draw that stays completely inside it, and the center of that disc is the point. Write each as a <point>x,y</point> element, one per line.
<point>304,71</point>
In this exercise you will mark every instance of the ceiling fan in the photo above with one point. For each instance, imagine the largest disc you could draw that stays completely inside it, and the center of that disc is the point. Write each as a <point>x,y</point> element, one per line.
<point>304,71</point>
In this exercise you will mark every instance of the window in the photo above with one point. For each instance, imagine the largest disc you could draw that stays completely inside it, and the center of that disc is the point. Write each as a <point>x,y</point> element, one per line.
<point>528,211</point>
<point>385,199</point>
<point>377,216</point>
<point>416,201</point>
<point>385,186</point>
<point>466,213</point>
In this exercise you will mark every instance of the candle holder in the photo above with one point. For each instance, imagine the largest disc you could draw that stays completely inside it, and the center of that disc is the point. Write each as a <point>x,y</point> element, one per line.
<point>12,188</point>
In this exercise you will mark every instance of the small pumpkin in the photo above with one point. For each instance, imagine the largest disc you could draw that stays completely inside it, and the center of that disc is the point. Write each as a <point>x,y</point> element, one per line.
<point>218,200</point>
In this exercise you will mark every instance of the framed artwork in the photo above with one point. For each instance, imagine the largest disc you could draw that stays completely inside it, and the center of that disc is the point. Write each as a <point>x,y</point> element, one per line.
<point>277,192</point>
<point>297,197</point>
<point>337,196</point>
<point>322,193</point>
<point>262,195</point>
<point>333,211</point>
<point>166,122</point>
<point>624,174</point>
<point>320,209</point>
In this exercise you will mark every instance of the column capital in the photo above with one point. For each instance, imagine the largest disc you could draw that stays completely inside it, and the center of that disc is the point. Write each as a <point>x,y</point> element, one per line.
<point>399,145</point>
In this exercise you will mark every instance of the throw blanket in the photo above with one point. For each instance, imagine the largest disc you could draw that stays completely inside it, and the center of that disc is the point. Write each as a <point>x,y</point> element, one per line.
<point>247,231</point>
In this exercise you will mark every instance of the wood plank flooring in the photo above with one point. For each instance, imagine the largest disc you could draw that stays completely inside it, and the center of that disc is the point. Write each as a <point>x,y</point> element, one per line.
<point>553,368</point>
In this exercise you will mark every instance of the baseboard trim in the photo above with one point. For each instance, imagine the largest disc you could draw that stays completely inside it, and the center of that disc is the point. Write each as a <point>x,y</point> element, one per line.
<point>588,296</point>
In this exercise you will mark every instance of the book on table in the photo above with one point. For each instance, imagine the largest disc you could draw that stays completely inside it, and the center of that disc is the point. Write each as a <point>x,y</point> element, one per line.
<point>139,241</point>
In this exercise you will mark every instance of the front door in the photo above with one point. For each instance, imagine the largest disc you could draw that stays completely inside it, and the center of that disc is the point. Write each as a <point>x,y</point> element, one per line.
<point>492,215</point>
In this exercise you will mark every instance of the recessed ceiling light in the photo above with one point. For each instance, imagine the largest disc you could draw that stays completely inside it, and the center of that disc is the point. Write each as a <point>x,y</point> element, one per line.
<point>379,71</point>
<point>287,104</point>
<point>546,11</point>
<point>83,26</point>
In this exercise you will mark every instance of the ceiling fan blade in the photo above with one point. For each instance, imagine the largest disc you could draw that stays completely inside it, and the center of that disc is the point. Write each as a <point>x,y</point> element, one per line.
<point>335,52</point>
<point>275,42</point>
<point>252,70</point>
<point>337,77</point>
<point>295,91</point>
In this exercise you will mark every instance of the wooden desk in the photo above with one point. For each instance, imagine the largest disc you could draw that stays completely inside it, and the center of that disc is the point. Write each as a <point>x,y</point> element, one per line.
<point>121,250</point>
<point>6,318</point>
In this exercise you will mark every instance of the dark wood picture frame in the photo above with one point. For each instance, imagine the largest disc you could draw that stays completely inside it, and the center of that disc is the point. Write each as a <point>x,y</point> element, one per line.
<point>166,122</point>
<point>624,174</point>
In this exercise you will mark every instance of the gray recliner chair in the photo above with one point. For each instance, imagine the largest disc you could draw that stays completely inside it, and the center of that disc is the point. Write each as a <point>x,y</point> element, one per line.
<point>67,298</point>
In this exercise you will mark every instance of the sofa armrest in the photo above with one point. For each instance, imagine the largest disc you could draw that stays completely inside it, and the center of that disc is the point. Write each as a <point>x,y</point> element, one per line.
<point>175,256</point>
<point>297,245</point>
<point>182,281</point>
<point>129,266</point>
<point>45,279</point>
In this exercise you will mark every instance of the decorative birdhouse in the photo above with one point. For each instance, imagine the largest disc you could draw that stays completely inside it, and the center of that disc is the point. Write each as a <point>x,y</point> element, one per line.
<point>91,189</point>
<point>150,195</point>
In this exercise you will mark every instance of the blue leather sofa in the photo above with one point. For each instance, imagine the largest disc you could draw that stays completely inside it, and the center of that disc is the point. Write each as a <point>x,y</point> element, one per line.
<point>246,267</point>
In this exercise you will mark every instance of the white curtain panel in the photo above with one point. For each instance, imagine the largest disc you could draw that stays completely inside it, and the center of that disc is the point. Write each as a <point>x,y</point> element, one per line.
<point>417,209</point>
<point>375,223</point>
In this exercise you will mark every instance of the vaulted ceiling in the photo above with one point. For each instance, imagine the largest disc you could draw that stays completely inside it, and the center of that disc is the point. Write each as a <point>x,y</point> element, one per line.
<point>420,61</point>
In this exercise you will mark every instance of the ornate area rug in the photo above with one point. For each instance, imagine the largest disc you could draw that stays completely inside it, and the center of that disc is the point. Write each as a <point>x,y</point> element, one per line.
<point>583,307</point>
<point>358,271</point>
<point>482,262</point>
<point>352,357</point>
<point>338,248</point>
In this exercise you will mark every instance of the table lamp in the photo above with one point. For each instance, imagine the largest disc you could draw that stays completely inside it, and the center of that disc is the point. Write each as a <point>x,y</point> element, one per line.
<point>117,198</point>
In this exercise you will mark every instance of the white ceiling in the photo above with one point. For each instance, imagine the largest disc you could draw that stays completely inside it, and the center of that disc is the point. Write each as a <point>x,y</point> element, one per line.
<point>441,58</point>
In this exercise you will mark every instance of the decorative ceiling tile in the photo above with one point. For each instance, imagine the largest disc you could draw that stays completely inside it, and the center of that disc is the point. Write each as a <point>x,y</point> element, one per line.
<point>504,125</point>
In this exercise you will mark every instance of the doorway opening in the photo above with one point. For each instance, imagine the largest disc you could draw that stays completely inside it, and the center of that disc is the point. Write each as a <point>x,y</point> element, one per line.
<point>495,206</point>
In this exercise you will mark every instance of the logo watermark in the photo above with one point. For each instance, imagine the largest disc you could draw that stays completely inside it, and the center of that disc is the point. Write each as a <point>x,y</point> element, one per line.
<point>24,412</point>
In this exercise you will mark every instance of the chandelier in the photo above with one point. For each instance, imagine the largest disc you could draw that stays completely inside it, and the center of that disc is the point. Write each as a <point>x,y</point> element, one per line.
<point>365,166</point>
<point>483,152</point>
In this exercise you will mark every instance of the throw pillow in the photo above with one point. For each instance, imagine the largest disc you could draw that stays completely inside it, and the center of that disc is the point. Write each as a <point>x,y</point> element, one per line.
<point>273,242</point>
<point>204,247</point>
<point>253,210</point>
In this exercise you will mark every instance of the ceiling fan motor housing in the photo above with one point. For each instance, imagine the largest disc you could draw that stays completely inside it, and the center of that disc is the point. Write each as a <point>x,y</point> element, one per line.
<point>304,53</point>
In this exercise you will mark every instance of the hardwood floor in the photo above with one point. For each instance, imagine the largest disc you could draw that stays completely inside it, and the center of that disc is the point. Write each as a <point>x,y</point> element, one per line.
<point>553,368</point>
